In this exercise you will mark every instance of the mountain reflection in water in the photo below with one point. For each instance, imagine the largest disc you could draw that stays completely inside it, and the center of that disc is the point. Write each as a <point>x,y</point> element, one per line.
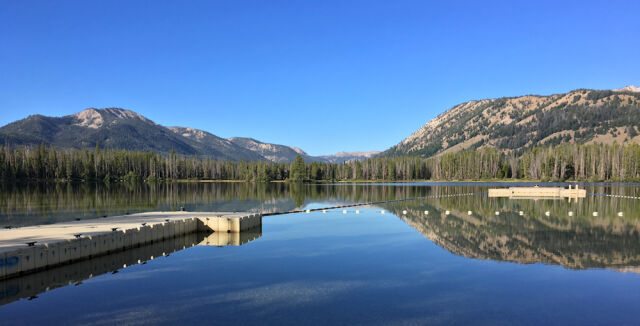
<point>46,203</point>
<point>543,233</point>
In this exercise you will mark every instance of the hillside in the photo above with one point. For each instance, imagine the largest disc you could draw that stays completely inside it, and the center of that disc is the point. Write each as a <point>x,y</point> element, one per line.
<point>514,124</point>
<point>116,128</point>
<point>111,128</point>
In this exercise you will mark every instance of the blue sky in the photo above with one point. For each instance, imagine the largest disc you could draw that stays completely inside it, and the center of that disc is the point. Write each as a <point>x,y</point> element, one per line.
<point>325,76</point>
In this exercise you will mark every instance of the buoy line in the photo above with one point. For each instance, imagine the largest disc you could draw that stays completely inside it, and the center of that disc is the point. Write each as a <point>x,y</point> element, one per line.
<point>615,196</point>
<point>373,203</point>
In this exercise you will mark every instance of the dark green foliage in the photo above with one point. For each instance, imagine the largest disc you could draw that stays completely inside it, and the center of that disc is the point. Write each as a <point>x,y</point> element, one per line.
<point>428,150</point>
<point>595,95</point>
<point>577,98</point>
<point>298,170</point>
<point>556,163</point>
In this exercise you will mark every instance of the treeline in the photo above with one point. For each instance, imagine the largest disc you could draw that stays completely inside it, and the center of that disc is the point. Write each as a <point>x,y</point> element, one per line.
<point>594,162</point>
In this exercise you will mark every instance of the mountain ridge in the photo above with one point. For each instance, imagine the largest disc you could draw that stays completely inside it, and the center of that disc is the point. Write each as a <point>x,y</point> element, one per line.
<point>118,128</point>
<point>272,152</point>
<point>514,124</point>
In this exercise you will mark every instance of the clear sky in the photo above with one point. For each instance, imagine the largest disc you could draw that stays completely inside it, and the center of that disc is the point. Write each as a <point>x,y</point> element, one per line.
<point>325,76</point>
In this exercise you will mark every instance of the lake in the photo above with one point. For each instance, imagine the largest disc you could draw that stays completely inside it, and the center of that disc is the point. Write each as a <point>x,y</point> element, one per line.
<point>438,260</point>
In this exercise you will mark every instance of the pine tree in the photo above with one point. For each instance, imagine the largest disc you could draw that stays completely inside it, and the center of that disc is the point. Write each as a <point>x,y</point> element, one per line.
<point>298,170</point>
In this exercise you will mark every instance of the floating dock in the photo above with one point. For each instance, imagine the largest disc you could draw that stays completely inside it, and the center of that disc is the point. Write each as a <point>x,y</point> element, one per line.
<point>538,192</point>
<point>31,285</point>
<point>30,249</point>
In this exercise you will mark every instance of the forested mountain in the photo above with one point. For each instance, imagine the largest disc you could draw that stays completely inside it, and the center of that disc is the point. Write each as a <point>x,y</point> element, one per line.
<point>516,124</point>
<point>111,128</point>
<point>115,128</point>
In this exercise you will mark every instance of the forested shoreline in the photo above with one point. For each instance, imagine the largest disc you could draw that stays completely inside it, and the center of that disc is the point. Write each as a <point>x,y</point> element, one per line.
<point>565,162</point>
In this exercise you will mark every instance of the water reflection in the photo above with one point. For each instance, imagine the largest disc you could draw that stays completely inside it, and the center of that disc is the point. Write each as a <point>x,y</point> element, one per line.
<point>33,204</point>
<point>29,286</point>
<point>371,268</point>
<point>595,232</point>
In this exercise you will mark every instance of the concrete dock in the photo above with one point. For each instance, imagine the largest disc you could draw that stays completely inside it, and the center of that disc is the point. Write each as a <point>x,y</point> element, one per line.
<point>30,249</point>
<point>224,239</point>
<point>537,192</point>
<point>29,286</point>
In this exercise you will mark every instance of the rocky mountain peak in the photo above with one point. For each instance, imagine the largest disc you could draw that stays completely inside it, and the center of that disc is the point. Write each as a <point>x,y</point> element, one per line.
<point>89,118</point>
<point>629,88</point>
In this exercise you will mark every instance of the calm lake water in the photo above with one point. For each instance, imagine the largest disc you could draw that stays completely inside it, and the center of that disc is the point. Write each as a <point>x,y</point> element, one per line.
<point>435,261</point>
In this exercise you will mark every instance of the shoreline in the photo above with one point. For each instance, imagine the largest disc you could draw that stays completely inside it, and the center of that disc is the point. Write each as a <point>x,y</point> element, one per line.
<point>357,181</point>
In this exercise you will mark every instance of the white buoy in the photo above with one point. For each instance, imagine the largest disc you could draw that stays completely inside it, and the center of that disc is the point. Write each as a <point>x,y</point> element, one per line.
<point>547,213</point>
<point>426,212</point>
<point>344,211</point>
<point>521,213</point>
<point>469,212</point>
<point>357,211</point>
<point>570,213</point>
<point>497,213</point>
<point>621,214</point>
<point>404,212</point>
<point>382,211</point>
<point>447,212</point>
<point>324,211</point>
<point>308,211</point>
<point>595,213</point>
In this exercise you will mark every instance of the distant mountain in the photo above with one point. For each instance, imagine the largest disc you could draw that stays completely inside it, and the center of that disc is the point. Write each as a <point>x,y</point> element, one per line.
<point>117,128</point>
<point>348,156</point>
<point>211,145</point>
<point>514,124</point>
<point>272,152</point>
<point>282,153</point>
